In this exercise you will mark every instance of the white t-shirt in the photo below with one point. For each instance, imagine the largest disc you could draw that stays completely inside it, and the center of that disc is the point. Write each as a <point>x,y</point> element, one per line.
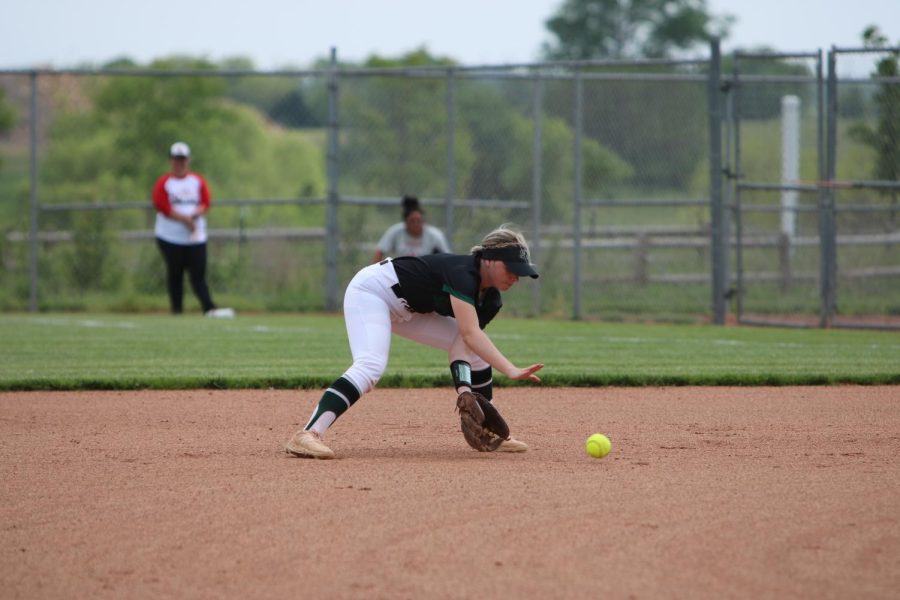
<point>397,242</point>
<point>182,195</point>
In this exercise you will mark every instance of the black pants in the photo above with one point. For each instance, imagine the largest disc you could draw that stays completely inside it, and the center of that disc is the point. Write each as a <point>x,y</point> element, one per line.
<point>178,258</point>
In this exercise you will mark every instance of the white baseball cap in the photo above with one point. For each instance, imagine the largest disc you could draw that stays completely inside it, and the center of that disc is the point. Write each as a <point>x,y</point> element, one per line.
<point>180,149</point>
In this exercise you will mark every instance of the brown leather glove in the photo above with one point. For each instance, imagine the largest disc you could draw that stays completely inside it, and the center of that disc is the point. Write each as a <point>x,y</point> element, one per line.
<point>481,423</point>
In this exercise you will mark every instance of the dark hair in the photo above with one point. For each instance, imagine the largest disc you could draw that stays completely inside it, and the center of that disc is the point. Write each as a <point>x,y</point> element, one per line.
<point>411,205</point>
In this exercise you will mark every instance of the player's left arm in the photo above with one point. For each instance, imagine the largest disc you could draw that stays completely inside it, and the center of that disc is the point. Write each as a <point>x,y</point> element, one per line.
<point>205,197</point>
<point>472,337</point>
<point>442,245</point>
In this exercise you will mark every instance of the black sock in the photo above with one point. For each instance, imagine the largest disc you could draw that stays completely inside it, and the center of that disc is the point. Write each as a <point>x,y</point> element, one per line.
<point>483,383</point>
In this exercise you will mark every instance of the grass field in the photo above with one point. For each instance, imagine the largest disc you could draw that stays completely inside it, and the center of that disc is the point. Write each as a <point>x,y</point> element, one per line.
<point>80,351</point>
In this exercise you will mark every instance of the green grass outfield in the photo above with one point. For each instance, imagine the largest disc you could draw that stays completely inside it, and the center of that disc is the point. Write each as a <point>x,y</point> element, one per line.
<point>82,351</point>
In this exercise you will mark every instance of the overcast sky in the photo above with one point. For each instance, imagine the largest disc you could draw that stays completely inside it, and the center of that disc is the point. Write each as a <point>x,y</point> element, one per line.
<point>280,33</point>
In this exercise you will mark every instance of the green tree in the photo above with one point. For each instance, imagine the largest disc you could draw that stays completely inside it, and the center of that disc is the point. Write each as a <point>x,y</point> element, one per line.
<point>397,131</point>
<point>396,140</point>
<point>884,137</point>
<point>592,29</point>
<point>282,98</point>
<point>652,125</point>
<point>116,149</point>
<point>7,116</point>
<point>658,127</point>
<point>113,147</point>
<point>502,134</point>
<point>762,100</point>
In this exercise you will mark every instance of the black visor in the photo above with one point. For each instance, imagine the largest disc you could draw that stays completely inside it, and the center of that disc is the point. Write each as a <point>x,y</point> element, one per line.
<point>514,257</point>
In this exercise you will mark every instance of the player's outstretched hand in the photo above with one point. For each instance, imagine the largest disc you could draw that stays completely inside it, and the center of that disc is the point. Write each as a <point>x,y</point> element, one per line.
<point>527,373</point>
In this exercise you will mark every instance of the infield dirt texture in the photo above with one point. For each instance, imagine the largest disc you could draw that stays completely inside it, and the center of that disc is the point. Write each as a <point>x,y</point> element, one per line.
<point>708,493</point>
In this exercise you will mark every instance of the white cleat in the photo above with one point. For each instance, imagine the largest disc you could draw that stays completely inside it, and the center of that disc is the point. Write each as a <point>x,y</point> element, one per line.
<point>220,313</point>
<point>308,444</point>
<point>512,445</point>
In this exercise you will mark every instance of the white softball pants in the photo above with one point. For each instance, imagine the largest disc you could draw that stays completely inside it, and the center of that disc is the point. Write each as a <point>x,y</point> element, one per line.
<point>372,312</point>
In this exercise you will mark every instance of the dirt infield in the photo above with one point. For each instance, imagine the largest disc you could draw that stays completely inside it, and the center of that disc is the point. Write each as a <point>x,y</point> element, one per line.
<point>708,493</point>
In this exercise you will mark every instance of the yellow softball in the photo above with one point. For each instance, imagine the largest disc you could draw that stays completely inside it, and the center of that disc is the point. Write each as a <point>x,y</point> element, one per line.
<point>598,445</point>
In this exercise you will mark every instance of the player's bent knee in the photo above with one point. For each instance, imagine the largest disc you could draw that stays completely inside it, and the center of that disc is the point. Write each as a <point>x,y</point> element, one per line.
<point>366,372</point>
<point>363,382</point>
<point>478,363</point>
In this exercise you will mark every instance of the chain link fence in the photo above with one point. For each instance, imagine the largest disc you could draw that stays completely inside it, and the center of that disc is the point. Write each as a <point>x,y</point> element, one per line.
<point>604,165</point>
<point>776,133</point>
<point>814,222</point>
<point>864,164</point>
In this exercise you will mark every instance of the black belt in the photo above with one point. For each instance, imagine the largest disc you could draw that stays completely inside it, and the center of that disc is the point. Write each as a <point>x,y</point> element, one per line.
<point>396,287</point>
<point>398,291</point>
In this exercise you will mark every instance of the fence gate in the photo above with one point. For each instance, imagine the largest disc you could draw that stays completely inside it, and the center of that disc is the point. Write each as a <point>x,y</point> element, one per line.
<point>803,246</point>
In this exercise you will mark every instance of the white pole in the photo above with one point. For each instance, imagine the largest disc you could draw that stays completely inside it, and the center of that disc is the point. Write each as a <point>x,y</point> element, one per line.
<point>790,163</point>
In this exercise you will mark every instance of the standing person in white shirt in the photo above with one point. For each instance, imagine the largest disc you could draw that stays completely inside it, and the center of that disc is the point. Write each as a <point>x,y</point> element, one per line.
<point>412,237</point>
<point>182,199</point>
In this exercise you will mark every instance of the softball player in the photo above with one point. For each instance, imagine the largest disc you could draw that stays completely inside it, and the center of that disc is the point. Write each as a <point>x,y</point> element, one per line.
<point>182,199</point>
<point>413,236</point>
<point>440,300</point>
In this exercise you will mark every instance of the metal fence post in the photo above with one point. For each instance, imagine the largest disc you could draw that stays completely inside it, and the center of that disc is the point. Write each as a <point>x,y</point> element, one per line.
<point>451,156</point>
<point>536,192</point>
<point>827,230</point>
<point>719,235</point>
<point>733,162</point>
<point>821,149</point>
<point>823,139</point>
<point>579,124</point>
<point>331,226</point>
<point>33,201</point>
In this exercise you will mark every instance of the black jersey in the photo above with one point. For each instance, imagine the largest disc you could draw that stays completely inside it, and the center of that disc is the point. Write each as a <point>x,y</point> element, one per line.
<point>427,282</point>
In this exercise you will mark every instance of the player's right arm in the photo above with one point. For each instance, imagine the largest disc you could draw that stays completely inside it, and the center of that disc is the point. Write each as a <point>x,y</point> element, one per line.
<point>387,244</point>
<point>161,197</point>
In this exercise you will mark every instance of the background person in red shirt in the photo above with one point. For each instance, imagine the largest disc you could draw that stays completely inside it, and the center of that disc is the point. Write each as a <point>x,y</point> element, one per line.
<point>182,198</point>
